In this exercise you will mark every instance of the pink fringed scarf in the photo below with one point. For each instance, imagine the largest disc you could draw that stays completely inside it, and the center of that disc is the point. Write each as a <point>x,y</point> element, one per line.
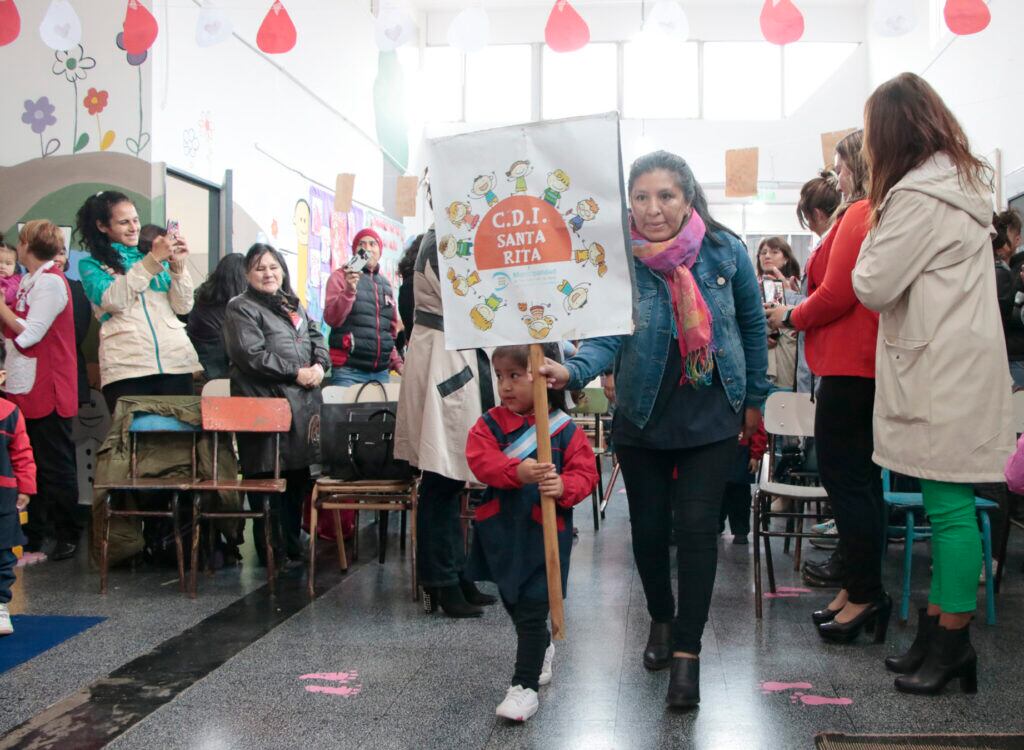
<point>673,259</point>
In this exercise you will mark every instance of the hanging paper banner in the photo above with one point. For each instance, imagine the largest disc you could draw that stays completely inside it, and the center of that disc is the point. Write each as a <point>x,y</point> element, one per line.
<point>741,166</point>
<point>213,26</point>
<point>781,22</point>
<point>531,233</point>
<point>894,17</point>
<point>393,28</point>
<point>566,31</point>
<point>277,33</point>
<point>668,17</point>
<point>829,141</point>
<point>470,30</point>
<point>966,17</point>
<point>140,28</point>
<point>405,195</point>
<point>344,186</point>
<point>61,28</point>
<point>10,22</point>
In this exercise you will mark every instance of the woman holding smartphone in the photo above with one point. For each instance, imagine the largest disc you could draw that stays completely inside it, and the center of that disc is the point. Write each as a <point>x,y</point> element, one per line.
<point>779,273</point>
<point>144,350</point>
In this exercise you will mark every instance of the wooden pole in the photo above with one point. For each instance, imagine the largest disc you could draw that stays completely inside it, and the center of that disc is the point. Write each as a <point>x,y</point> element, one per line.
<point>547,504</point>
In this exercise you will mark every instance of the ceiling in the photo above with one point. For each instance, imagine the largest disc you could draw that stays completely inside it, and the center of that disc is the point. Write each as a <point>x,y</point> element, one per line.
<point>724,5</point>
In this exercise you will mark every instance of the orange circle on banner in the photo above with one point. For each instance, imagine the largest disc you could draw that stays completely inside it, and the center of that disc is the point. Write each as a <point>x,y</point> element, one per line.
<point>521,231</point>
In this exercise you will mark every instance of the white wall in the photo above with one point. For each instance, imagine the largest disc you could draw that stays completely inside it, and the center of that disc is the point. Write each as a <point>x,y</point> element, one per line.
<point>247,101</point>
<point>978,77</point>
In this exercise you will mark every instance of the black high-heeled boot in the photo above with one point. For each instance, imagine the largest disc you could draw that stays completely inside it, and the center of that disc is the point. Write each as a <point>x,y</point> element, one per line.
<point>429,600</point>
<point>912,660</point>
<point>658,652</point>
<point>454,604</point>
<point>475,596</point>
<point>950,656</point>
<point>875,616</point>
<point>684,683</point>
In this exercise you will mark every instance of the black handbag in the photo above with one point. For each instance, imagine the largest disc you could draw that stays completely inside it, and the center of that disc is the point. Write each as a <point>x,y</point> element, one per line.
<point>357,440</point>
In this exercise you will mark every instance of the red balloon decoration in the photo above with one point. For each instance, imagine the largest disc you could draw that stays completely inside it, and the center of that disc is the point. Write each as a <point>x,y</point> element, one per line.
<point>140,28</point>
<point>277,32</point>
<point>566,31</point>
<point>10,22</point>
<point>781,21</point>
<point>965,17</point>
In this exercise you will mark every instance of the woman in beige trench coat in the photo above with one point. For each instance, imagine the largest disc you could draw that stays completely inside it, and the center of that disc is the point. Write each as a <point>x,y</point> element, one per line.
<point>942,403</point>
<point>443,395</point>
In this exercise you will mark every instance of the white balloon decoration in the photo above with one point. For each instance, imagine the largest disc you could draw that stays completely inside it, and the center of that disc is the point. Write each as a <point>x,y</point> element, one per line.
<point>894,17</point>
<point>61,28</point>
<point>668,17</point>
<point>214,26</point>
<point>394,27</point>
<point>470,30</point>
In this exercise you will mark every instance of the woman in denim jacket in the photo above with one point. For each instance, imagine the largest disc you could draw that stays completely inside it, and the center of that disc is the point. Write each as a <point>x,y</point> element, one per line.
<point>688,381</point>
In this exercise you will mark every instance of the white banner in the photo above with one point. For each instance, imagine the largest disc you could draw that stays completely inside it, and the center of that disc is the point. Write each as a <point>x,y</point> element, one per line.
<point>532,235</point>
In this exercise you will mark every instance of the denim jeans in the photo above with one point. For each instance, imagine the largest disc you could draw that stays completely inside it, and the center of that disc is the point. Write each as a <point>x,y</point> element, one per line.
<point>691,503</point>
<point>345,376</point>
<point>440,549</point>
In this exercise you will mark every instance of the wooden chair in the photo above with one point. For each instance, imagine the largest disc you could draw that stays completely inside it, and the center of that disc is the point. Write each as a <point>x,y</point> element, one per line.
<point>237,414</point>
<point>144,425</point>
<point>1011,498</point>
<point>786,415</point>
<point>381,496</point>
<point>589,415</point>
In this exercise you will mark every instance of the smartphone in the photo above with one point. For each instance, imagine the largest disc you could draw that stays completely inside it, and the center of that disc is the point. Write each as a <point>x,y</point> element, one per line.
<point>773,292</point>
<point>172,227</point>
<point>358,261</point>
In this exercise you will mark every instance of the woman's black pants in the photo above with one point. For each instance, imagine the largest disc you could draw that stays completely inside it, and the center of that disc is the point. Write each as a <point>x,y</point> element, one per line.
<point>440,547</point>
<point>844,439</point>
<point>691,503</point>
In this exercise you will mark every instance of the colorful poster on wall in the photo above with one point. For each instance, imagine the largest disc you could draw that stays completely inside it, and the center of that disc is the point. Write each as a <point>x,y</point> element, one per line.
<point>532,233</point>
<point>324,239</point>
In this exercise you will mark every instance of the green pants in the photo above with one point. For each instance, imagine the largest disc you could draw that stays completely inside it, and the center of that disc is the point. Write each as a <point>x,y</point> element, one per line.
<point>956,545</point>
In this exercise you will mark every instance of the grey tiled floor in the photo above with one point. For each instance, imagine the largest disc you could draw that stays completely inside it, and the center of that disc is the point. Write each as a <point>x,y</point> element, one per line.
<point>433,682</point>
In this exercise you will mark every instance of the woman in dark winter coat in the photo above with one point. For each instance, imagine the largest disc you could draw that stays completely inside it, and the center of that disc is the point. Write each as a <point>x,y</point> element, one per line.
<point>276,351</point>
<point>206,321</point>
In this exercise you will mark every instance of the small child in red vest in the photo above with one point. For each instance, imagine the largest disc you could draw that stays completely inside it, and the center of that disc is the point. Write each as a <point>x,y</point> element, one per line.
<point>508,542</point>
<point>17,483</point>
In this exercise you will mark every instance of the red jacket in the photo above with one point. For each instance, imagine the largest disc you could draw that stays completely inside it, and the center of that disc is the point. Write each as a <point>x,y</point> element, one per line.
<point>495,469</point>
<point>841,332</point>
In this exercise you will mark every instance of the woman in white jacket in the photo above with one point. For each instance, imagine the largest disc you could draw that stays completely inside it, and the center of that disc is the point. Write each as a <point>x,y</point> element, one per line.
<point>942,403</point>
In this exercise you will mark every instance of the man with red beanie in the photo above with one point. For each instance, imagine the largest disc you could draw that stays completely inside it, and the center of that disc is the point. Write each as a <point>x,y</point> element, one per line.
<point>361,311</point>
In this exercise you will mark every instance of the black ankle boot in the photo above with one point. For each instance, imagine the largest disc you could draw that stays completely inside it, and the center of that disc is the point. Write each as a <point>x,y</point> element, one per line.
<point>658,652</point>
<point>454,604</point>
<point>429,600</point>
<point>950,656</point>
<point>912,660</point>
<point>473,595</point>
<point>684,683</point>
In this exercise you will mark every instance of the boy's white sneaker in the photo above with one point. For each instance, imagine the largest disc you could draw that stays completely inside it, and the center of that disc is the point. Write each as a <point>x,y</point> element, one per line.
<point>5,622</point>
<point>519,705</point>
<point>545,670</point>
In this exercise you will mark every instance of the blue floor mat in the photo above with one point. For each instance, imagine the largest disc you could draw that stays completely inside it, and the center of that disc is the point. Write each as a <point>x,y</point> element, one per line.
<point>34,634</point>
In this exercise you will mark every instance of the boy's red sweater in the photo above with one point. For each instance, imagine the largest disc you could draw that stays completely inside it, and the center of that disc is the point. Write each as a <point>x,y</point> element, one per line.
<point>22,461</point>
<point>495,469</point>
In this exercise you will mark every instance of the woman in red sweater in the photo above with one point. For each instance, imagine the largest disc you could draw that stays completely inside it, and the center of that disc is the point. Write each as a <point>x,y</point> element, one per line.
<point>841,339</point>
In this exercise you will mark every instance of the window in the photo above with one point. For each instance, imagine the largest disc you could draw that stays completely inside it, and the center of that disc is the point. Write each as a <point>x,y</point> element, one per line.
<point>434,83</point>
<point>498,84</point>
<point>581,82</point>
<point>742,81</point>
<point>808,66</point>
<point>661,79</point>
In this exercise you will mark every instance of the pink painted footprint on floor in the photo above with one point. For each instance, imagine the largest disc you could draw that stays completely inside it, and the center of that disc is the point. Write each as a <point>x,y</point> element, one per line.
<point>778,687</point>
<point>798,696</point>
<point>346,687</point>
<point>785,592</point>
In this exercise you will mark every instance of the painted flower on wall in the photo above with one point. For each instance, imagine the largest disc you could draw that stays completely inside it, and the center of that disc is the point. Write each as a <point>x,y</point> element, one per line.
<point>73,64</point>
<point>95,101</point>
<point>39,115</point>
<point>132,59</point>
<point>190,142</point>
